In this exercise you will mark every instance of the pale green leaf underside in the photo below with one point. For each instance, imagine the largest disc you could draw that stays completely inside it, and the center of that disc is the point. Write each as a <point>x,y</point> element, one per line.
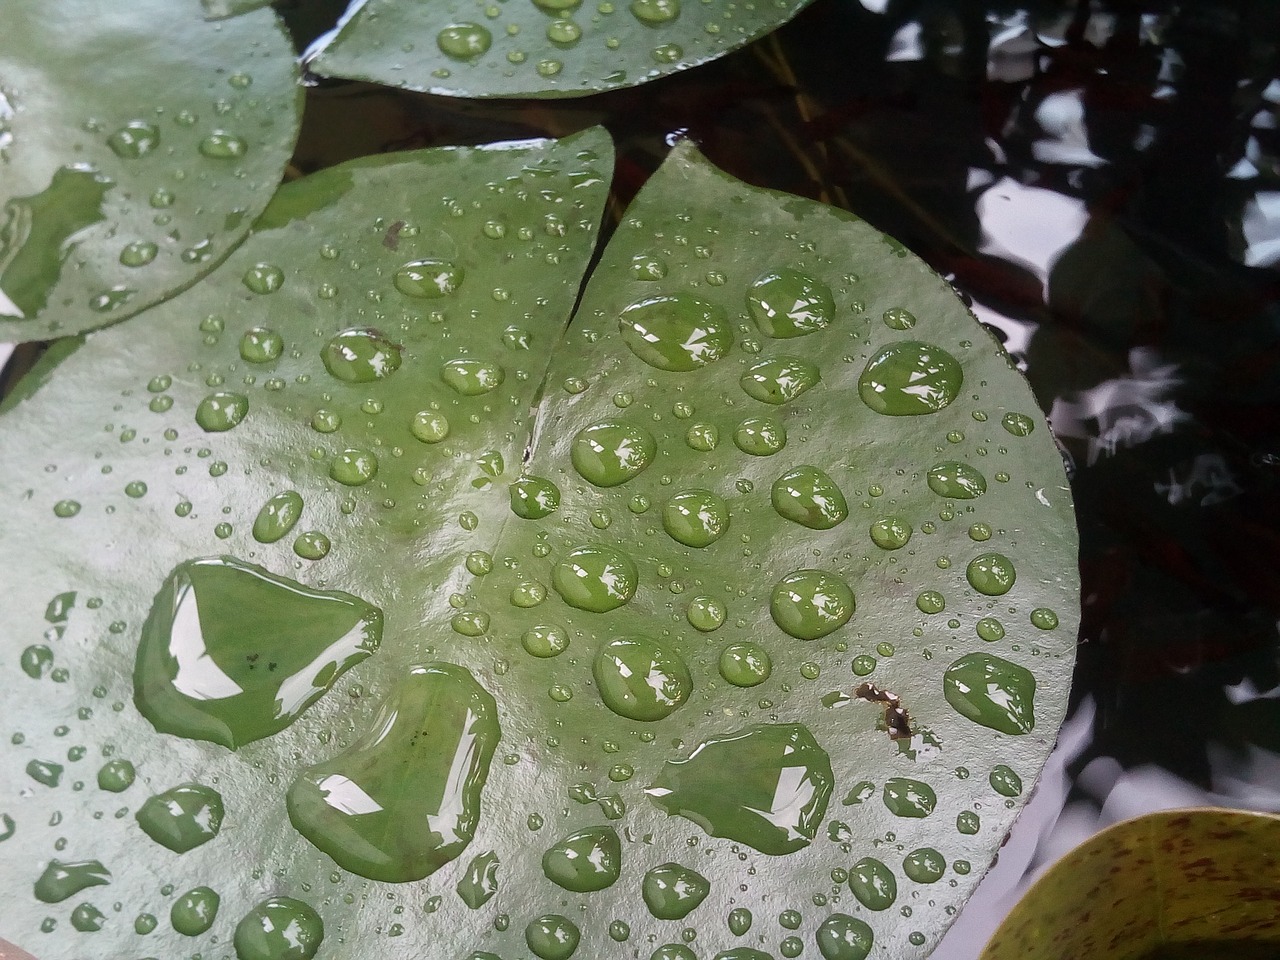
<point>521,221</point>
<point>199,149</point>
<point>547,48</point>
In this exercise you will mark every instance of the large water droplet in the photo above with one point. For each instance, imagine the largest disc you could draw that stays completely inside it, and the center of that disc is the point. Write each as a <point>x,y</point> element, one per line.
<point>62,880</point>
<point>608,454</point>
<point>194,912</point>
<point>277,516</point>
<point>404,799</point>
<point>232,653</point>
<point>261,345</point>
<point>470,378</point>
<point>778,380</point>
<point>463,41</point>
<point>809,497</point>
<point>221,411</point>
<point>787,303</point>
<point>679,332</point>
<point>533,498</point>
<point>640,679</point>
<point>135,139</point>
<point>842,937</point>
<point>280,928</point>
<point>956,480</point>
<point>182,817</point>
<point>766,786</point>
<point>991,574</point>
<point>910,378</point>
<point>480,881</point>
<point>873,884</point>
<point>760,436</point>
<point>595,578</point>
<point>809,604</point>
<point>909,798</point>
<point>552,937</point>
<point>672,891</point>
<point>360,355</point>
<point>429,279</point>
<point>696,518</point>
<point>993,692</point>
<point>585,861</point>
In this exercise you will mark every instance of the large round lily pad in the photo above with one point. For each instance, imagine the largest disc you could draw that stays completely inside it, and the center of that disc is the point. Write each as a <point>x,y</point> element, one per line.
<point>738,621</point>
<point>133,158</point>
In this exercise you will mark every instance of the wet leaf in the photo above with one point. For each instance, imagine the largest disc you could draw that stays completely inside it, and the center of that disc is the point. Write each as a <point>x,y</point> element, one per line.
<point>611,566</point>
<point>539,48</point>
<point>1173,884</point>
<point>132,160</point>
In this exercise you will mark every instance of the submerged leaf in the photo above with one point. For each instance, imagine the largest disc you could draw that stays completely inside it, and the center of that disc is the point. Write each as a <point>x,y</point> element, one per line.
<point>131,159</point>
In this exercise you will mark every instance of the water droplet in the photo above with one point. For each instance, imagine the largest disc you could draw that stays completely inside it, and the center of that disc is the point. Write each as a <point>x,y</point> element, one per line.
<point>925,865</point>
<point>809,604</point>
<point>842,937</point>
<point>182,817</point>
<point>696,518</point>
<point>672,891</point>
<point>706,614</point>
<point>552,937</point>
<point>564,32</point>
<point>1018,424</point>
<point>36,661</point>
<point>968,822</point>
<point>135,139</point>
<point>745,664</point>
<point>760,436</point>
<point>353,468</point>
<point>221,145</point>
<point>429,426</point>
<point>646,266</point>
<point>62,880</point>
<point>479,563</point>
<point>703,437</point>
<point>640,679</point>
<point>956,480</point>
<point>194,912</point>
<point>429,279</point>
<point>470,378</point>
<point>980,532</point>
<point>138,253</point>
<point>116,776</point>
<point>990,629</point>
<point>480,881</point>
<point>787,303</point>
<point>873,884</point>
<point>673,951</point>
<point>528,593</point>
<point>277,517</point>
<point>221,411</point>
<point>655,12</point>
<point>890,533</point>
<point>144,924</point>
<point>533,498</point>
<point>778,380</point>
<point>311,545</point>
<point>930,601</point>
<point>404,799</point>
<point>909,798</point>
<point>766,786</point>
<point>809,497</point>
<point>608,454</point>
<point>910,378</point>
<point>261,345</point>
<point>678,332</point>
<point>43,771</point>
<point>545,640</point>
<point>896,318</point>
<point>993,692</point>
<point>231,653</point>
<point>739,921</point>
<point>1004,781</point>
<point>66,508</point>
<point>549,68</point>
<point>263,278</point>
<point>991,574</point>
<point>1043,618</point>
<point>470,623</point>
<point>87,918</point>
<point>596,578</point>
<point>586,861</point>
<point>360,355</point>
<point>280,928</point>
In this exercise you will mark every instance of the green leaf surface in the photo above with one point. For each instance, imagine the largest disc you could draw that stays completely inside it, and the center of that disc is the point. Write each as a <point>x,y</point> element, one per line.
<point>132,159</point>
<point>539,48</point>
<point>645,667</point>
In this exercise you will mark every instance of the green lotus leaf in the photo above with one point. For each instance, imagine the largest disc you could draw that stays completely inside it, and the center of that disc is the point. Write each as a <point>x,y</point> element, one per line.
<point>132,160</point>
<point>1176,884</point>
<point>538,48</point>
<point>401,618</point>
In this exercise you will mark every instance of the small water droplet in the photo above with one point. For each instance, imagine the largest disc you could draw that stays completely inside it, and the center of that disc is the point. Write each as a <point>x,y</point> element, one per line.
<point>739,921</point>
<point>890,533</point>
<point>1018,424</point>
<point>470,378</point>
<point>65,509</point>
<point>672,891</point>
<point>61,880</point>
<point>195,911</point>
<point>221,411</point>
<point>261,345</point>
<point>263,278</point>
<point>354,467</point>
<point>924,865</point>
<point>706,614</point>
<point>533,498</point>
<point>842,937</point>
<point>545,640</point>
<point>311,545</point>
<point>647,266</point>
<point>429,426</point>
<point>993,692</point>
<point>564,32</point>
<point>135,139</point>
<point>480,881</point>
<point>930,601</point>
<point>909,798</point>
<point>991,574</point>
<point>1004,781</point>
<point>116,776</point>
<point>596,578</point>
<point>552,937</point>
<point>139,253</point>
<point>429,279</point>
<point>1043,618</point>
<point>990,629</point>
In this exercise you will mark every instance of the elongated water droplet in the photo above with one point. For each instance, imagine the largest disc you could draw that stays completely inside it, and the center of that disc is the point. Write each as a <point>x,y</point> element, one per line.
<point>134,140</point>
<point>910,378</point>
<point>360,355</point>
<point>766,786</point>
<point>909,798</point>
<point>232,653</point>
<point>464,41</point>
<point>46,772</point>
<point>640,679</point>
<point>404,799</point>
<point>221,145</point>
<point>745,664</point>
<point>480,882</point>
<point>1004,781</point>
<point>261,345</point>
<point>138,253</point>
<point>280,928</point>
<point>956,480</point>
<point>62,880</point>
<point>585,861</point>
<point>533,498</point>
<point>429,279</point>
<point>353,468</point>
<point>1018,424</point>
<point>471,378</point>
<point>779,380</point>
<point>809,497</point>
<point>696,518</point>
<point>1043,618</point>
<point>277,516</point>
<point>678,332</point>
<point>842,937</point>
<point>182,817</point>
<point>991,574</point>
<point>760,436</point>
<point>194,912</point>
<point>896,318</point>
<point>993,692</point>
<point>809,604</point>
<point>672,891</point>
<point>608,454</point>
<point>221,411</point>
<point>873,884</point>
<point>595,578</point>
<point>552,937</point>
<point>788,303</point>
